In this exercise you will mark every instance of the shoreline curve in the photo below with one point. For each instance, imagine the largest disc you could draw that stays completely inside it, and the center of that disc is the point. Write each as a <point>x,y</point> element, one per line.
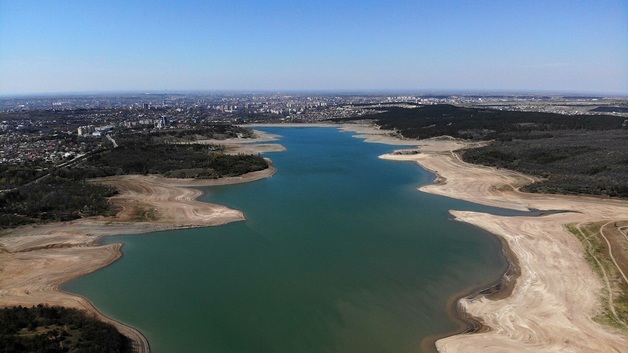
<point>555,297</point>
<point>37,259</point>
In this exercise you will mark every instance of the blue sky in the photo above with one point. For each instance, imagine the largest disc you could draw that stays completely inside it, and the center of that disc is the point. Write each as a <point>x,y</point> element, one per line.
<point>424,45</point>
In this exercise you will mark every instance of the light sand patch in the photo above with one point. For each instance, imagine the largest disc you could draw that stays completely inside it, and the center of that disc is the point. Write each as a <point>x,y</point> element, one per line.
<point>254,149</point>
<point>372,134</point>
<point>171,201</point>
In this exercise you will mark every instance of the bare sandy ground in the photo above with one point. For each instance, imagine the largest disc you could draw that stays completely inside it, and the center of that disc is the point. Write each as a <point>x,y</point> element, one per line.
<point>556,295</point>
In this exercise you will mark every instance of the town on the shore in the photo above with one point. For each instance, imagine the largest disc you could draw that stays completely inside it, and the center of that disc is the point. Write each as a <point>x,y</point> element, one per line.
<point>36,128</point>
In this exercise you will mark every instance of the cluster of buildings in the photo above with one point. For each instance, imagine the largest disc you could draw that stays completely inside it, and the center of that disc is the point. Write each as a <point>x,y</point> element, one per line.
<point>91,130</point>
<point>41,149</point>
<point>46,128</point>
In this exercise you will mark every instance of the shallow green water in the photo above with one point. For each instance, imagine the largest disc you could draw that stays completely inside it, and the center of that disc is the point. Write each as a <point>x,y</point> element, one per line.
<point>339,253</point>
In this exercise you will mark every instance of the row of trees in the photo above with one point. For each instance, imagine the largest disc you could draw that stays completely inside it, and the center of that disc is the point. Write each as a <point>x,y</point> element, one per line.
<point>54,198</point>
<point>213,131</point>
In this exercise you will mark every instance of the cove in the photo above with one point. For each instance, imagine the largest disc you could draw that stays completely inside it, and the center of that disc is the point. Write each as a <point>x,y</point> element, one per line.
<point>339,253</point>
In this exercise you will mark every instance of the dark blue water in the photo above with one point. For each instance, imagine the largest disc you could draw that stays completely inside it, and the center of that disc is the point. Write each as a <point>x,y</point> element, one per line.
<point>339,253</point>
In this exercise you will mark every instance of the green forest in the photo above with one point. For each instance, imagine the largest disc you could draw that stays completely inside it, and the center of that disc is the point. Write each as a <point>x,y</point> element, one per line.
<point>55,329</point>
<point>484,124</point>
<point>141,156</point>
<point>53,198</point>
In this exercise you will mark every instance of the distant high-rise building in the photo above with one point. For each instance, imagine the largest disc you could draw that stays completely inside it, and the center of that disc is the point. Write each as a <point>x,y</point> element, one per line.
<point>85,130</point>
<point>146,106</point>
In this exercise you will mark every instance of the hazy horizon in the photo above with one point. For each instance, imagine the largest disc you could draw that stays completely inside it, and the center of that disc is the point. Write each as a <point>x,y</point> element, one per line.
<point>101,47</point>
<point>313,93</point>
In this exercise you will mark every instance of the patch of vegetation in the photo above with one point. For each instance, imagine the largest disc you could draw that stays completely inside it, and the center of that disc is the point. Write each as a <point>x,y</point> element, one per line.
<point>56,329</point>
<point>171,160</point>
<point>483,124</point>
<point>206,132</point>
<point>13,175</point>
<point>572,162</point>
<point>53,198</point>
<point>610,110</point>
<point>593,247</point>
<point>596,254</point>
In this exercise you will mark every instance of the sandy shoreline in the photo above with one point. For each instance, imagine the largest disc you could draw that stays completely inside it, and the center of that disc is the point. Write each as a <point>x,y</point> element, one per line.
<point>556,294</point>
<point>547,300</point>
<point>36,260</point>
<point>548,305</point>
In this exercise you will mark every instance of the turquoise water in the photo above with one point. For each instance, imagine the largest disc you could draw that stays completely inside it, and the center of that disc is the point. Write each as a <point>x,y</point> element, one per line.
<point>339,253</point>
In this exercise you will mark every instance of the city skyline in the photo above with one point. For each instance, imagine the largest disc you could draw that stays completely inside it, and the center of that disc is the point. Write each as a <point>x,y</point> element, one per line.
<point>419,46</point>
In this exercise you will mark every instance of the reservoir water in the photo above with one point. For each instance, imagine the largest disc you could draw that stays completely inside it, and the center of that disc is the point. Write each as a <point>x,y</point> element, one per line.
<point>339,253</point>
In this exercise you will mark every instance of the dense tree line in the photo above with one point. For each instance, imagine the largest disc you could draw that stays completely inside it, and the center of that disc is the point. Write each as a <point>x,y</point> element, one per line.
<point>213,131</point>
<point>53,198</point>
<point>173,160</point>
<point>46,329</point>
<point>483,124</point>
<point>576,154</point>
<point>610,110</point>
<point>572,162</point>
<point>13,175</point>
